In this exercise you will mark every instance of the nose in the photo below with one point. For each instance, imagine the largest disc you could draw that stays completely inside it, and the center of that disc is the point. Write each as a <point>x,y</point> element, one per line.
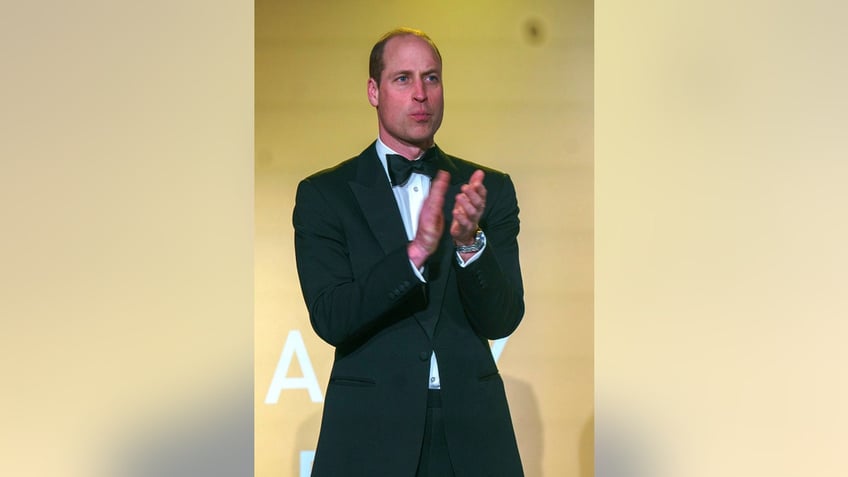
<point>420,92</point>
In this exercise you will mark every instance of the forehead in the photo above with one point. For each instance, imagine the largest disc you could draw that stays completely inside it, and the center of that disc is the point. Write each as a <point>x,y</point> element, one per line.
<point>409,52</point>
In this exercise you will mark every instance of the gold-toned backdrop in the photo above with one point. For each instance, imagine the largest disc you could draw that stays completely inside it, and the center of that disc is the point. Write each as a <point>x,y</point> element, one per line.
<point>518,94</point>
<point>126,165</point>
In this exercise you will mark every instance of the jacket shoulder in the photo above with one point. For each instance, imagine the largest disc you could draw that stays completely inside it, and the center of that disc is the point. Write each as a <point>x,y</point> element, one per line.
<point>465,168</point>
<point>342,171</point>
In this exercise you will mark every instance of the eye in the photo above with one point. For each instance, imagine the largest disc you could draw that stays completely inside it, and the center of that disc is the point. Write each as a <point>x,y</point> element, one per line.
<point>402,79</point>
<point>433,78</point>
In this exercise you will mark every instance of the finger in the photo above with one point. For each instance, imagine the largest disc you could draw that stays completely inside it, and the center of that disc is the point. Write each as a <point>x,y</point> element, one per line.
<point>439,187</point>
<point>477,177</point>
<point>473,196</point>
<point>460,213</point>
<point>460,216</point>
<point>471,204</point>
<point>460,228</point>
<point>440,184</point>
<point>462,223</point>
<point>436,198</point>
<point>475,185</point>
<point>481,191</point>
<point>455,230</point>
<point>434,202</point>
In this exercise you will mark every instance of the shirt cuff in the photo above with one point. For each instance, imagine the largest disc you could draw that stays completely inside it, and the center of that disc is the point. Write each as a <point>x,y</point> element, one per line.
<point>419,272</point>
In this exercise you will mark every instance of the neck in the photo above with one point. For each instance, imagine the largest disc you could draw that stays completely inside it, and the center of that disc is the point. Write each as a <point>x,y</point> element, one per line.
<point>409,151</point>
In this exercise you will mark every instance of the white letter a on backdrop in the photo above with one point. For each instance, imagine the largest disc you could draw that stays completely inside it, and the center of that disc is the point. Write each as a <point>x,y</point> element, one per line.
<point>294,346</point>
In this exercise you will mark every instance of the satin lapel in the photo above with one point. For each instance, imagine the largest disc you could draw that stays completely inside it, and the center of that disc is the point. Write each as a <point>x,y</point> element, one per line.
<point>372,191</point>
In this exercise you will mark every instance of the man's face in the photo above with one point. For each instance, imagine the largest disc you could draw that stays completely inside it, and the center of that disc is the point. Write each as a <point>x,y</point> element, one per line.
<point>409,99</point>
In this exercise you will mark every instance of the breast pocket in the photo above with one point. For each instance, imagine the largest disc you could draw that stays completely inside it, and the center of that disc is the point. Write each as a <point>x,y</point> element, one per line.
<point>353,381</point>
<point>490,376</point>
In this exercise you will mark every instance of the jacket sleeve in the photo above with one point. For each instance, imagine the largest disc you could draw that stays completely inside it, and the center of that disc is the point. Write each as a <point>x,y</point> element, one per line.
<point>491,288</point>
<point>346,305</point>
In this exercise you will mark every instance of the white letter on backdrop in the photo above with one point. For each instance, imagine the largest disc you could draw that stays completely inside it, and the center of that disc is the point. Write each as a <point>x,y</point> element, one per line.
<point>294,346</point>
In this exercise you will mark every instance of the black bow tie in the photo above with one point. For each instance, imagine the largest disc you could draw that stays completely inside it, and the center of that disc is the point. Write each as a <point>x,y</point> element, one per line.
<point>400,168</point>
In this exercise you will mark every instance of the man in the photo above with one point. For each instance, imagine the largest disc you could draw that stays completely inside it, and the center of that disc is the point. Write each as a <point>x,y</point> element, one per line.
<point>408,276</point>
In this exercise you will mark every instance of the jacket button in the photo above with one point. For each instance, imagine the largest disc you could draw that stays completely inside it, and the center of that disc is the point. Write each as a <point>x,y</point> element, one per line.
<point>424,355</point>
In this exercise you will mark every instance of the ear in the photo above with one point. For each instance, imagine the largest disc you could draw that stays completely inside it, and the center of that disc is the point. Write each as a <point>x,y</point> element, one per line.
<point>373,92</point>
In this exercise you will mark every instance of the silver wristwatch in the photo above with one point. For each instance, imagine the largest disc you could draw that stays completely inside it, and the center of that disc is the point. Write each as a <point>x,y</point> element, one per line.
<point>479,242</point>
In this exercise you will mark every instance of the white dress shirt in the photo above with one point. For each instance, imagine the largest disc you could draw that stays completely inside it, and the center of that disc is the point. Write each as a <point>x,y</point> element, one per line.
<point>410,197</point>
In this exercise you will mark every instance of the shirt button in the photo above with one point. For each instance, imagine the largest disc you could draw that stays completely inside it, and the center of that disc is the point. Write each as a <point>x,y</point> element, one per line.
<point>424,355</point>
<point>432,380</point>
<point>415,188</point>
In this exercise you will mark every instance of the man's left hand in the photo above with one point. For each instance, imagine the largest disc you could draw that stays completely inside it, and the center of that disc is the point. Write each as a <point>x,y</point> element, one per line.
<point>468,209</point>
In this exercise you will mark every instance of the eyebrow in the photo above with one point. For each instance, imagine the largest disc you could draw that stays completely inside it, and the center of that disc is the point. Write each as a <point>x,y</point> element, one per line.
<point>411,73</point>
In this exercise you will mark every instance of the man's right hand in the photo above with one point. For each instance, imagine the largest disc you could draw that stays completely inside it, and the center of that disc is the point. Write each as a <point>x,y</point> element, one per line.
<point>431,222</point>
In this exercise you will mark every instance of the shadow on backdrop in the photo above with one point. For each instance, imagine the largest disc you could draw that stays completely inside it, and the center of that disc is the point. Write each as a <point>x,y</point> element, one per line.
<point>215,441</point>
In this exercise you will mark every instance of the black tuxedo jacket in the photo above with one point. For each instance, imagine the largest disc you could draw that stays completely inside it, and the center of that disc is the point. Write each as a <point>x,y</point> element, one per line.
<point>364,299</point>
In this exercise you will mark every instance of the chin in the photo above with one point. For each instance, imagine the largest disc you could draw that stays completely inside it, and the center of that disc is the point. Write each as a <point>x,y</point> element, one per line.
<point>423,138</point>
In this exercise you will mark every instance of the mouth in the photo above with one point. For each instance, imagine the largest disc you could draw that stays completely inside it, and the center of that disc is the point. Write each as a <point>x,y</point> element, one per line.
<point>420,117</point>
